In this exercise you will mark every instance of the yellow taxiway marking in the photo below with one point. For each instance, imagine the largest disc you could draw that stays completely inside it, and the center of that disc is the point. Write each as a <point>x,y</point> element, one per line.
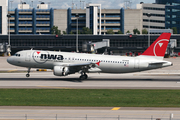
<point>116,108</point>
<point>12,70</point>
<point>41,69</point>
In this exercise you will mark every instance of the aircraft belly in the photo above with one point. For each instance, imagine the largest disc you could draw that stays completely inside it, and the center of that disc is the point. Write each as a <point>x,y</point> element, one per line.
<point>37,65</point>
<point>46,66</point>
<point>116,68</point>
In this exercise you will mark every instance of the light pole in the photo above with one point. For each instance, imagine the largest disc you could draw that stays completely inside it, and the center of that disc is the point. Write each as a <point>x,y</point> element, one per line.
<point>83,4</point>
<point>149,15</point>
<point>9,42</point>
<point>77,16</point>
<point>49,3</point>
<point>22,4</point>
<point>11,4</point>
<point>32,3</point>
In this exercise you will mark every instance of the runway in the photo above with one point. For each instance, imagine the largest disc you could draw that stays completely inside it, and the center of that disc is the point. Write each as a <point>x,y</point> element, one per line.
<point>46,80</point>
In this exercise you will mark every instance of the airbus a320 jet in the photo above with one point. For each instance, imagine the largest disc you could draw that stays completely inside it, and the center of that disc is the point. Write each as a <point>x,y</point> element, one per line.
<point>65,63</point>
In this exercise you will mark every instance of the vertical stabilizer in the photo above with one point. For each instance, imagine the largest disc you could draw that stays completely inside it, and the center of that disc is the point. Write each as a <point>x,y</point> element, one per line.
<point>158,47</point>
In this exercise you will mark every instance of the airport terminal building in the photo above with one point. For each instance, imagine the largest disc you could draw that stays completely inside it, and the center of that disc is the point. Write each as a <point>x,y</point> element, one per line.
<point>26,19</point>
<point>119,44</point>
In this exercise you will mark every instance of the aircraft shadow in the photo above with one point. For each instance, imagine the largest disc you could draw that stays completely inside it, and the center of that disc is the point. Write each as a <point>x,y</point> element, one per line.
<point>90,79</point>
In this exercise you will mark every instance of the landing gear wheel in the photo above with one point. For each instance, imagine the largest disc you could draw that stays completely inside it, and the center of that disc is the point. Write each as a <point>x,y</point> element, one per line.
<point>86,76</point>
<point>83,77</point>
<point>27,75</point>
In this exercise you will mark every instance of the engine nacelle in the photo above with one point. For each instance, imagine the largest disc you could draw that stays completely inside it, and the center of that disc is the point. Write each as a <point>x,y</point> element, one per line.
<point>61,70</point>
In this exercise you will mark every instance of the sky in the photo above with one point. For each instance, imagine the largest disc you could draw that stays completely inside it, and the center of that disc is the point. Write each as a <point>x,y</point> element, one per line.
<point>65,4</point>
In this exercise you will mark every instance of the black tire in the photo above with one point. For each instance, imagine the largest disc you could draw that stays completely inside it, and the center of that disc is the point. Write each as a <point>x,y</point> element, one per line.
<point>83,77</point>
<point>86,76</point>
<point>27,75</point>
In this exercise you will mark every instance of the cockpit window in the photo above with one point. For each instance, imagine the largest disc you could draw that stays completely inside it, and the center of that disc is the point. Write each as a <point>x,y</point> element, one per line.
<point>18,55</point>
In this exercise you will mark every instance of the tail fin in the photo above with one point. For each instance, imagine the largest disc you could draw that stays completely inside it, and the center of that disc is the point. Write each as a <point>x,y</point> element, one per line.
<point>158,47</point>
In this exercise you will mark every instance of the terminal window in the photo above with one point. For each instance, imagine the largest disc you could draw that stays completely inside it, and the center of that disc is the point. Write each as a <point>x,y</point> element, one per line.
<point>0,19</point>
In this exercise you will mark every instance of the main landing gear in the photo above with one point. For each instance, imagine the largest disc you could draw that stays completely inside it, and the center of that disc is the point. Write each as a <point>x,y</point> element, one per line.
<point>27,75</point>
<point>83,76</point>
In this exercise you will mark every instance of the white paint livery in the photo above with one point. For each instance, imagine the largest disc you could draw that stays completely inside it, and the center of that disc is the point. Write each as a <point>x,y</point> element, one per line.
<point>64,63</point>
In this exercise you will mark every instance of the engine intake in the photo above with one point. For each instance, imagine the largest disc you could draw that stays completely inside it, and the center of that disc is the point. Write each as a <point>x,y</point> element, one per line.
<point>61,70</point>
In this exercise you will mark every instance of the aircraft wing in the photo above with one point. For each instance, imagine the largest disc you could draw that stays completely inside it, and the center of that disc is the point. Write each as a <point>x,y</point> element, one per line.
<point>90,67</point>
<point>78,66</point>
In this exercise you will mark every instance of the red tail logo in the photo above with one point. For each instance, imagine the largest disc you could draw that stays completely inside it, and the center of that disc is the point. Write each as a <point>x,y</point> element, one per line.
<point>158,48</point>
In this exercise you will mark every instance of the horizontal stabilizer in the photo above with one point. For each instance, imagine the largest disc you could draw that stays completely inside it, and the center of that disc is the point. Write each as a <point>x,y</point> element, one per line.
<point>157,63</point>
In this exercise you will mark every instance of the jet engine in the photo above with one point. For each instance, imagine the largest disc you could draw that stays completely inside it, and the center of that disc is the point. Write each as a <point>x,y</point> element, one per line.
<point>61,70</point>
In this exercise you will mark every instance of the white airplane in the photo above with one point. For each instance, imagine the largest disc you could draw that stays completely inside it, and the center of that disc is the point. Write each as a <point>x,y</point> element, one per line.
<point>65,63</point>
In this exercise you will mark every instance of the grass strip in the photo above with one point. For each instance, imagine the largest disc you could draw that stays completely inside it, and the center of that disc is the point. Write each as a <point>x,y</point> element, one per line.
<point>90,97</point>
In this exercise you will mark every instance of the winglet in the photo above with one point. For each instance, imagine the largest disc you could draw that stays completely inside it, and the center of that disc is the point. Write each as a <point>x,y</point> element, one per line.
<point>159,46</point>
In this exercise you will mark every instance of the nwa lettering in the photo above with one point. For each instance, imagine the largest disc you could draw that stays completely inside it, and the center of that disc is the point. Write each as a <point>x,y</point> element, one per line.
<point>51,57</point>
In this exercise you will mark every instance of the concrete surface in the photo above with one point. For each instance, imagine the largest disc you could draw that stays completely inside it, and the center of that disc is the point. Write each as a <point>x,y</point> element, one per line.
<point>95,81</point>
<point>87,113</point>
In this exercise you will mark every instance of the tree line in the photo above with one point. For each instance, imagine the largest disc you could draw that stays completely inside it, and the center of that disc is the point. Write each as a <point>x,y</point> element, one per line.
<point>86,30</point>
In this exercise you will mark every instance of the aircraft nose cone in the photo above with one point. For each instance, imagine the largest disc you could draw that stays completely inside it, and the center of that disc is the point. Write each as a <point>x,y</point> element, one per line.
<point>9,60</point>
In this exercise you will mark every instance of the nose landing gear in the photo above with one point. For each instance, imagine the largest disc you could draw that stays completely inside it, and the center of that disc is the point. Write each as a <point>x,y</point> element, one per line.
<point>27,75</point>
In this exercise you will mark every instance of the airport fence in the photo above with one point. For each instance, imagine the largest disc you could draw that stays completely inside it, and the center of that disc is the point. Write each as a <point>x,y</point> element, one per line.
<point>84,117</point>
